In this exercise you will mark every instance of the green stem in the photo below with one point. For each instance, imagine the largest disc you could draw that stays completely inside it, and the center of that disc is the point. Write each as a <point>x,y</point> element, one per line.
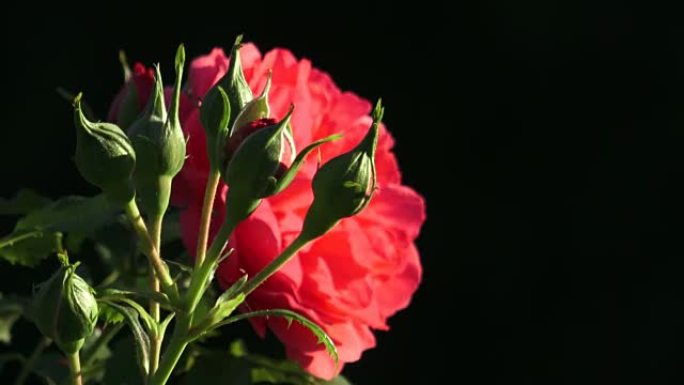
<point>150,251</point>
<point>155,228</point>
<point>28,365</point>
<point>202,275</point>
<point>174,351</point>
<point>275,264</point>
<point>205,221</point>
<point>75,368</point>
<point>199,281</point>
<point>90,355</point>
<point>155,340</point>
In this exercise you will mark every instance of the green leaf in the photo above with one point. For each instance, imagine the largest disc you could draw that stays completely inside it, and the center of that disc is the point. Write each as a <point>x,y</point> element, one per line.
<point>223,308</point>
<point>38,234</point>
<point>290,316</point>
<point>232,291</point>
<point>10,311</point>
<point>29,247</point>
<point>140,337</point>
<point>71,214</point>
<point>109,315</point>
<point>23,202</point>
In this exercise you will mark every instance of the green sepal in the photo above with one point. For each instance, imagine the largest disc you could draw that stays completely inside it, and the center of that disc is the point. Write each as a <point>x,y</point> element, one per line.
<point>215,116</point>
<point>221,105</point>
<point>256,109</point>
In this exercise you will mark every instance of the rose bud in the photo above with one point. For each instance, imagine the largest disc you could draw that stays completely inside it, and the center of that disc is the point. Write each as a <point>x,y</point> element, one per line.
<point>64,309</point>
<point>254,116</point>
<point>137,87</point>
<point>222,103</point>
<point>239,135</point>
<point>104,156</point>
<point>251,173</point>
<point>159,143</point>
<point>343,186</point>
<point>257,164</point>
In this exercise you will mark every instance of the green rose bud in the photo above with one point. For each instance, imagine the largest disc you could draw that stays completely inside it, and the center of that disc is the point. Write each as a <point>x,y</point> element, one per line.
<point>64,309</point>
<point>343,186</point>
<point>159,144</point>
<point>104,156</point>
<point>254,167</point>
<point>222,103</point>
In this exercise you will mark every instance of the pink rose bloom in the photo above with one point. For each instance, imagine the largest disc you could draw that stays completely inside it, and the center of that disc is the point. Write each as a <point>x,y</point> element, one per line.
<point>351,280</point>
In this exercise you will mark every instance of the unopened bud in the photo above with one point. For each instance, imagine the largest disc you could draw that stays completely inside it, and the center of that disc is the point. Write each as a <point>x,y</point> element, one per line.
<point>222,103</point>
<point>344,185</point>
<point>252,171</point>
<point>64,309</point>
<point>104,156</point>
<point>159,144</point>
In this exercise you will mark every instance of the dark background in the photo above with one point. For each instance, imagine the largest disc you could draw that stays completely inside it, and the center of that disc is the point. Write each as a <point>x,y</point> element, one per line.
<point>547,139</point>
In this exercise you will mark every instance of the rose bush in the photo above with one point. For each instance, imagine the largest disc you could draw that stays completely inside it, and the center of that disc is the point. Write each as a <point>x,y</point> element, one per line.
<point>352,279</point>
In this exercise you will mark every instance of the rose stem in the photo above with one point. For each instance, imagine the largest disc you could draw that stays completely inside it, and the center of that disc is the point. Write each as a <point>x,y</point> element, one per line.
<point>75,368</point>
<point>180,337</point>
<point>174,351</point>
<point>202,274</point>
<point>205,221</point>
<point>274,265</point>
<point>155,340</point>
<point>150,251</point>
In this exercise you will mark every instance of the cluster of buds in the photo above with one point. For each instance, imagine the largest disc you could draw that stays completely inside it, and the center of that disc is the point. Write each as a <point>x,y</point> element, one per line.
<point>141,162</point>
<point>252,153</point>
<point>248,148</point>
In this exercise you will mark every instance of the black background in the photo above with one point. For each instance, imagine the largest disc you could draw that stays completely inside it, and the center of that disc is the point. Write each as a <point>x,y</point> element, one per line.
<point>547,139</point>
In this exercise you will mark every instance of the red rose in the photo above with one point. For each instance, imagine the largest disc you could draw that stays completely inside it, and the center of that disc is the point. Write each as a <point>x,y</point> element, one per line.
<point>352,279</point>
<point>132,97</point>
